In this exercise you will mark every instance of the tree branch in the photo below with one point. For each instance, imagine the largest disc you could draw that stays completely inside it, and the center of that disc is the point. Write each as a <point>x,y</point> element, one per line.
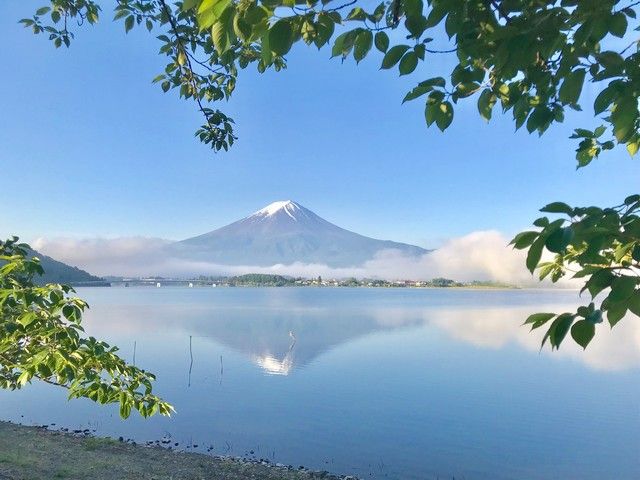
<point>345,5</point>
<point>182,46</point>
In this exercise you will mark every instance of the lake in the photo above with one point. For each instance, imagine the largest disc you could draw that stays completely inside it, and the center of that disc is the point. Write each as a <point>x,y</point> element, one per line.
<point>378,383</point>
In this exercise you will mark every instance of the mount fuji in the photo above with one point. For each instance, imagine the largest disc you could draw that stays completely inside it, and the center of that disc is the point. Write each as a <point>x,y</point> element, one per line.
<point>285,232</point>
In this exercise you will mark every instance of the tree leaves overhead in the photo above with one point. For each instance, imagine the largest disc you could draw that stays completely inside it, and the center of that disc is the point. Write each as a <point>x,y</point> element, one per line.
<point>533,58</point>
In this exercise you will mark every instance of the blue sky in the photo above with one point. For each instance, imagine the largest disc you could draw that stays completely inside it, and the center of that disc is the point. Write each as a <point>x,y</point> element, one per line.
<point>89,147</point>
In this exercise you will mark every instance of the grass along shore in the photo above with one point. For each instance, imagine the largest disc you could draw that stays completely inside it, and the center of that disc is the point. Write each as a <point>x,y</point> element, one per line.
<point>35,453</point>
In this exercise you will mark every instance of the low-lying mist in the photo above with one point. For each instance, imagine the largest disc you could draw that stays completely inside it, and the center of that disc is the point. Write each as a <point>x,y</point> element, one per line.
<point>482,255</point>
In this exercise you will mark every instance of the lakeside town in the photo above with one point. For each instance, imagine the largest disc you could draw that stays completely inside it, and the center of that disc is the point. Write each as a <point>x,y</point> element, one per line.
<point>270,280</point>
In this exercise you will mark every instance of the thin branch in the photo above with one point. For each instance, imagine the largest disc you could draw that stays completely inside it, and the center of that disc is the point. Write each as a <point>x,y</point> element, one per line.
<point>181,44</point>
<point>631,5</point>
<point>441,51</point>
<point>208,67</point>
<point>345,5</point>
<point>635,42</point>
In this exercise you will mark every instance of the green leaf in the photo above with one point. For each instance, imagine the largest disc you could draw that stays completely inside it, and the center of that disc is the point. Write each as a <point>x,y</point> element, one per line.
<point>437,13</point>
<point>624,117</point>
<point>557,207</point>
<point>622,288</point>
<point>27,318</point>
<point>486,101</point>
<point>583,332</point>
<point>559,239</point>
<point>338,44</point>
<point>430,112</point>
<point>415,93</point>
<point>615,313</point>
<point>524,239</point>
<point>128,23</point>
<point>362,45</point>
<point>538,319</point>
<point>325,28</point>
<point>408,63</point>
<point>413,8</point>
<point>599,131</point>
<point>220,37</point>
<point>433,82</point>
<point>634,303</point>
<point>393,56</point>
<point>559,329</point>
<point>599,281</point>
<point>356,13</point>
<point>623,250</point>
<point>444,115</point>
<point>210,11</point>
<point>382,41</point>
<point>618,24</point>
<point>189,4</point>
<point>572,86</point>
<point>125,409</point>
<point>604,99</point>
<point>256,14</point>
<point>535,252</point>
<point>281,37</point>
<point>24,377</point>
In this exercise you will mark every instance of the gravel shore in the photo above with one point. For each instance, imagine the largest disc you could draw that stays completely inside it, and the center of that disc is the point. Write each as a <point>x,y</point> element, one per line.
<point>35,453</point>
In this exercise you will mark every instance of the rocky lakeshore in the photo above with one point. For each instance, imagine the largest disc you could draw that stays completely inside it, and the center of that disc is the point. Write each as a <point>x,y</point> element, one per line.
<point>34,453</point>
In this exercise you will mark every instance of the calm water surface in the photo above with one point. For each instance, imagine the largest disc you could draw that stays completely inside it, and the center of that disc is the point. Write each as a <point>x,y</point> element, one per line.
<point>381,383</point>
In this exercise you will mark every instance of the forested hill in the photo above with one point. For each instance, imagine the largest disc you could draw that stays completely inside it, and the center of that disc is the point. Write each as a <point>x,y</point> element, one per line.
<point>58,272</point>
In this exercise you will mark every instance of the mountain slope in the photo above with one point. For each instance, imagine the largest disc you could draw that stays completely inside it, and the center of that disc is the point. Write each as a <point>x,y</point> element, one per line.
<point>285,233</point>
<point>58,272</point>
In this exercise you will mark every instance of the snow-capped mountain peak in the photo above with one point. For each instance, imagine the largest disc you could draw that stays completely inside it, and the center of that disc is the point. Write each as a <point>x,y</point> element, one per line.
<point>287,207</point>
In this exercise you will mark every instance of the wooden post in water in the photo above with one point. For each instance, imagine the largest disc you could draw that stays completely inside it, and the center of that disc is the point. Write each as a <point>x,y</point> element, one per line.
<point>191,357</point>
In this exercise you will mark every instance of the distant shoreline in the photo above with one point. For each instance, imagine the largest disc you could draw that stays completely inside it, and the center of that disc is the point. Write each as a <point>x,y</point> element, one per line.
<point>269,280</point>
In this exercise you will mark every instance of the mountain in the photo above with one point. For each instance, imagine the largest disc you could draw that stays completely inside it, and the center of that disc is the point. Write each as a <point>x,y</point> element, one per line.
<point>58,272</point>
<point>284,233</point>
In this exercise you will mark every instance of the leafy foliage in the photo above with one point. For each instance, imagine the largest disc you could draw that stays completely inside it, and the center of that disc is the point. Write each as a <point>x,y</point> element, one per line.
<point>41,337</point>
<point>602,245</point>
<point>530,58</point>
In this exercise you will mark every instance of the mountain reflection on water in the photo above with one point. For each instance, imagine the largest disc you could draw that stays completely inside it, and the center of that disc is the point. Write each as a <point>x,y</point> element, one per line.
<point>281,330</point>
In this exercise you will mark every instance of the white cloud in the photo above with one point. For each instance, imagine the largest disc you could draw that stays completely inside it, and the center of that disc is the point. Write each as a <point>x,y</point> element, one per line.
<point>483,255</point>
<point>611,349</point>
<point>107,256</point>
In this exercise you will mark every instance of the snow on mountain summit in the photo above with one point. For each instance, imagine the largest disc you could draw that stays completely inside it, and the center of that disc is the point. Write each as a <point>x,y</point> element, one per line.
<point>287,206</point>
